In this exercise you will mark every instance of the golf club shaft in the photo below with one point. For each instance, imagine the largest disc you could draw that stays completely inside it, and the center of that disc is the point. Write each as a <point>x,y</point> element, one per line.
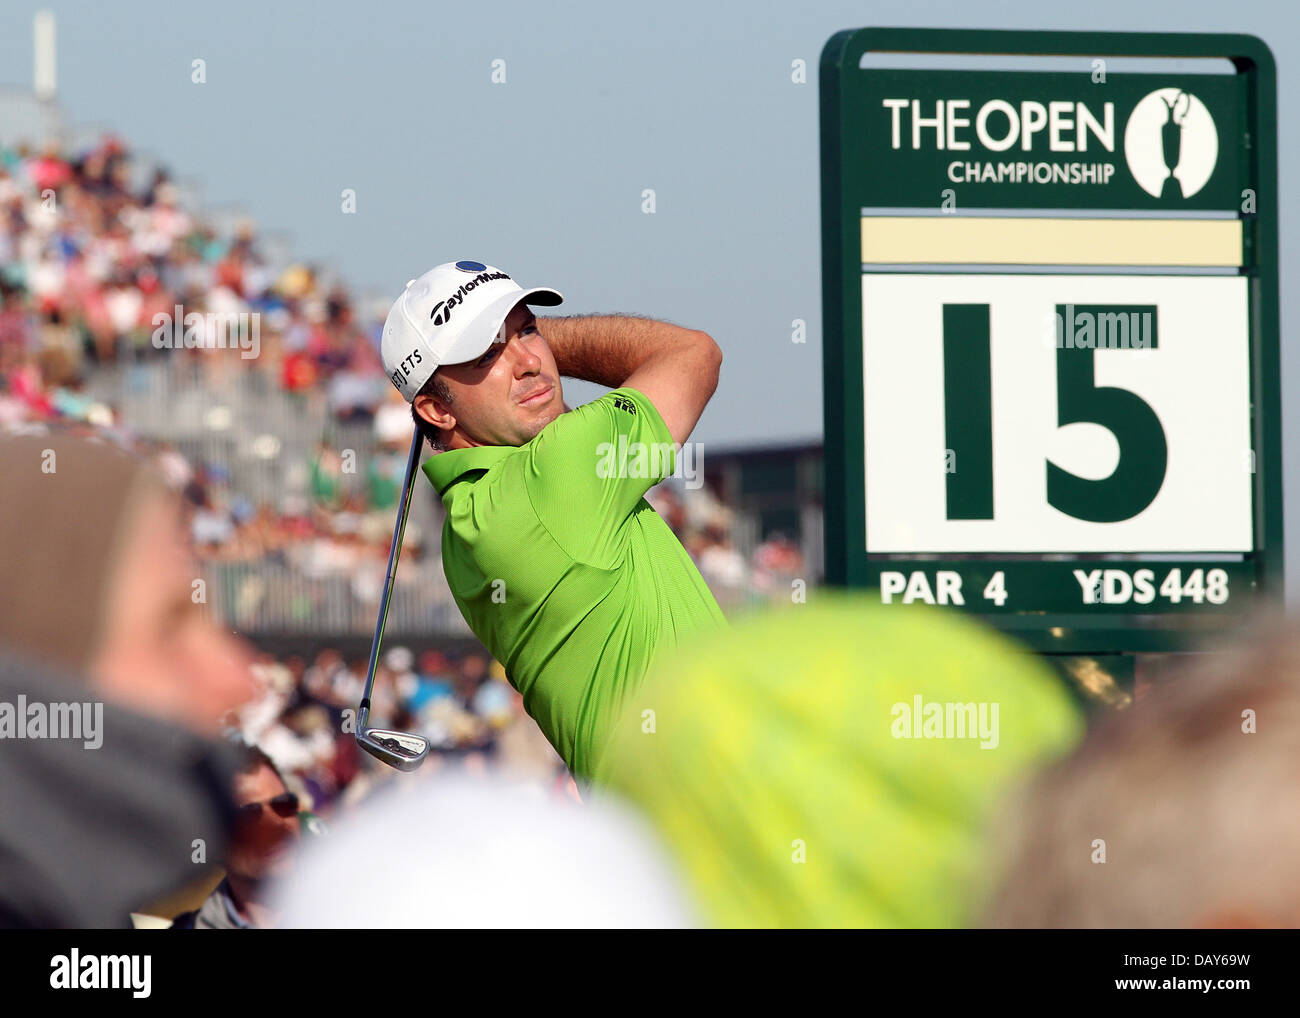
<point>394,552</point>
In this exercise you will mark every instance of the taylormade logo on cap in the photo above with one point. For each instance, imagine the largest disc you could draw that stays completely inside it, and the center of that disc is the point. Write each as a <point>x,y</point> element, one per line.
<point>444,318</point>
<point>441,313</point>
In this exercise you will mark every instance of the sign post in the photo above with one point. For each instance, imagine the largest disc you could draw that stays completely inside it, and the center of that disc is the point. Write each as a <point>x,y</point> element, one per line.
<point>1051,330</point>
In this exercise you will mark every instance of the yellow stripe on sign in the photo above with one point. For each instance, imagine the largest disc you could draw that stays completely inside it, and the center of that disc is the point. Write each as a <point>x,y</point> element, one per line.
<point>988,240</point>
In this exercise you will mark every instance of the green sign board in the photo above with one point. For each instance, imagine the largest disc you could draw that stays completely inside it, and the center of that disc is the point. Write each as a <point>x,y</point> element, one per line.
<point>1051,330</point>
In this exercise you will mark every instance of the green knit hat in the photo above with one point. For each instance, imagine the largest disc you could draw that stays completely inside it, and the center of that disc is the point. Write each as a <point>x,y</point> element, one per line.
<point>795,767</point>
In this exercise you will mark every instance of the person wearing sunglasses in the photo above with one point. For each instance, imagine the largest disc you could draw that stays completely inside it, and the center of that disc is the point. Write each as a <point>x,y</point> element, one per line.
<point>263,848</point>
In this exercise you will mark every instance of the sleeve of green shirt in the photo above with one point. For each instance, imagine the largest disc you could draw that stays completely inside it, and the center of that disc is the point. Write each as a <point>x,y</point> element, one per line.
<point>590,468</point>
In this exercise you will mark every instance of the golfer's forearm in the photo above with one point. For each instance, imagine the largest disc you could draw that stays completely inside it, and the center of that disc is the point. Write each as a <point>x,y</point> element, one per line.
<point>608,349</point>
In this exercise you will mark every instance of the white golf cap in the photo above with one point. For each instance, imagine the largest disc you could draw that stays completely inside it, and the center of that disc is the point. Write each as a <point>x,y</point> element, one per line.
<point>450,315</point>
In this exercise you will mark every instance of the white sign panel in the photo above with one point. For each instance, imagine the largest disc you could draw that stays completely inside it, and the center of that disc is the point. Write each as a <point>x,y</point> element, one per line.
<point>1194,377</point>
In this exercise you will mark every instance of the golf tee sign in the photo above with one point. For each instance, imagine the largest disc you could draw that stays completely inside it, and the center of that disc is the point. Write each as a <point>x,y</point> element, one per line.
<point>1051,329</point>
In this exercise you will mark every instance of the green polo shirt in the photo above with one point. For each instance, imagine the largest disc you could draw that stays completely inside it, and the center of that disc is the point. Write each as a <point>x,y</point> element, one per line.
<point>564,571</point>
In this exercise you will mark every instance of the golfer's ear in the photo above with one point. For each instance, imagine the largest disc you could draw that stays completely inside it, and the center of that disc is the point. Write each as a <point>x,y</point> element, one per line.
<point>435,412</point>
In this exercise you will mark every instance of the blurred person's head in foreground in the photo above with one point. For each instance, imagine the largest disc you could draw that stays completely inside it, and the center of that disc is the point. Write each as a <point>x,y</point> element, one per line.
<point>478,852</point>
<point>1178,812</point>
<point>835,765</point>
<point>263,848</point>
<point>98,580</point>
<point>98,629</point>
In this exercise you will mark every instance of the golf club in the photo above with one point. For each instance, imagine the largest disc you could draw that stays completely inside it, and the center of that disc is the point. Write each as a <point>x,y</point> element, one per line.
<point>397,749</point>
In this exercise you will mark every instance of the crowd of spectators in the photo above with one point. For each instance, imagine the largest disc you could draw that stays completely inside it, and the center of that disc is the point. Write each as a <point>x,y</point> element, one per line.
<point>88,259</point>
<point>460,702</point>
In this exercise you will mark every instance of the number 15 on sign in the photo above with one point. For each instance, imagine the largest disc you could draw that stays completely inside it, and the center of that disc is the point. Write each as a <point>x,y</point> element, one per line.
<point>1056,414</point>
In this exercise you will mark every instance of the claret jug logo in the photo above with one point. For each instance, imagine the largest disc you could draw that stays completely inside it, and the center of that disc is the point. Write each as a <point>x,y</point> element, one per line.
<point>1171,143</point>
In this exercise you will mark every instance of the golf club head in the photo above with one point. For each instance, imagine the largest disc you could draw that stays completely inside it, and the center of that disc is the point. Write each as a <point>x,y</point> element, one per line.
<point>397,749</point>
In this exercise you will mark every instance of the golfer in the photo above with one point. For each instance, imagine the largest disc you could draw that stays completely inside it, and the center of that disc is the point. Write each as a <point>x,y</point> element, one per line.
<point>558,563</point>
